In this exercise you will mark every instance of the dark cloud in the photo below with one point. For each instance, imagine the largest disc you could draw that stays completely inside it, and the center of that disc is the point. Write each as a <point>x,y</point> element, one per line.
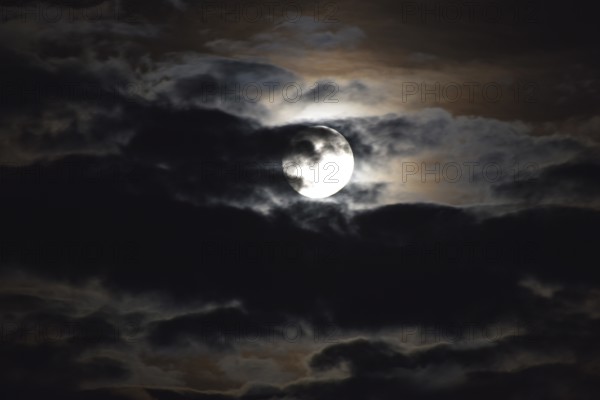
<point>221,328</point>
<point>577,181</point>
<point>141,224</point>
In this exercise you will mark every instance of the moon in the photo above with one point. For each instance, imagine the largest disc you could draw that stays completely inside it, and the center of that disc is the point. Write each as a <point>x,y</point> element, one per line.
<point>318,162</point>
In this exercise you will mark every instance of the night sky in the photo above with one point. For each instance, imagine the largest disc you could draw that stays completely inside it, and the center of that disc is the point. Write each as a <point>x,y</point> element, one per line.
<point>154,247</point>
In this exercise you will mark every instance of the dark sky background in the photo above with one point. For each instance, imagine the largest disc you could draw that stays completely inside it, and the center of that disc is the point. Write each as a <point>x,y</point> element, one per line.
<point>151,247</point>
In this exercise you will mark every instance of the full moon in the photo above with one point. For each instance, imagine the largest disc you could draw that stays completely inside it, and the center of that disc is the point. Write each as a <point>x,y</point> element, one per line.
<point>319,162</point>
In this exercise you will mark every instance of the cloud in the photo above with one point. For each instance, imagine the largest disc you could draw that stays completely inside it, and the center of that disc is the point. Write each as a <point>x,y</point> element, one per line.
<point>294,38</point>
<point>142,224</point>
<point>575,182</point>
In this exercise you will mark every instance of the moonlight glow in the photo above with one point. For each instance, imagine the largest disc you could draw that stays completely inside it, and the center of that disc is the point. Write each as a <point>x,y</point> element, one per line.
<point>319,162</point>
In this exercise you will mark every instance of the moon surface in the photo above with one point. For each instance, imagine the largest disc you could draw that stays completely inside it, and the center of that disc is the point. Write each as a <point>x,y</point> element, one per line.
<point>319,162</point>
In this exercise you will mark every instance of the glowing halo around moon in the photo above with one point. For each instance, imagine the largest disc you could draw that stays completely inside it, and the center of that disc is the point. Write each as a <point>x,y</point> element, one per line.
<point>319,162</point>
